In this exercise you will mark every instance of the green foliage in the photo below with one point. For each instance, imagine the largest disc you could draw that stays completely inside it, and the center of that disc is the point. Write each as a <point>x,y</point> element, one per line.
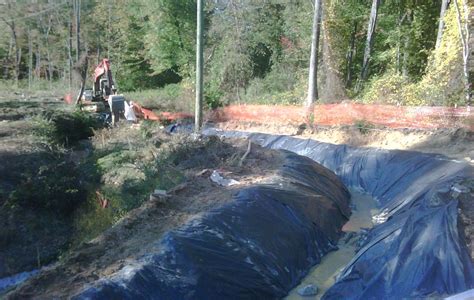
<point>172,97</point>
<point>364,126</point>
<point>170,34</point>
<point>55,187</point>
<point>441,82</point>
<point>212,97</point>
<point>66,129</point>
<point>255,51</point>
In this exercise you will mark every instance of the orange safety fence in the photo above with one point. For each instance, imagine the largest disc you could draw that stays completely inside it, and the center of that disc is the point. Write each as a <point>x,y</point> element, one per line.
<point>165,116</point>
<point>415,117</point>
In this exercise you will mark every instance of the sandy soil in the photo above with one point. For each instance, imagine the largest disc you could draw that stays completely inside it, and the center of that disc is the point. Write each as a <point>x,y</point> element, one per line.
<point>454,143</point>
<point>139,231</point>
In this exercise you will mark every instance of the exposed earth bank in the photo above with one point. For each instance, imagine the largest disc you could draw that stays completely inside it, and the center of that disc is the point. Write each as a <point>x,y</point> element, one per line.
<point>456,143</point>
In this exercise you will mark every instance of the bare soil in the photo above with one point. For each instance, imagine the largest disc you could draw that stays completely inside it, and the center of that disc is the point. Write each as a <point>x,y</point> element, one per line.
<point>455,143</point>
<point>139,231</point>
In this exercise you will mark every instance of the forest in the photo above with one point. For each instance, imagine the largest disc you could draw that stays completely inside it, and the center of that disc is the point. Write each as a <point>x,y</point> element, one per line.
<point>404,52</point>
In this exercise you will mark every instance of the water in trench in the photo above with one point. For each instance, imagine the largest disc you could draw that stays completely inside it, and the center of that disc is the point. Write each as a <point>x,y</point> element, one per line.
<point>323,274</point>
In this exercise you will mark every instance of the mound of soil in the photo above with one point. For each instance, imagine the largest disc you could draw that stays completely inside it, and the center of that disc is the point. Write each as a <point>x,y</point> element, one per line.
<point>138,233</point>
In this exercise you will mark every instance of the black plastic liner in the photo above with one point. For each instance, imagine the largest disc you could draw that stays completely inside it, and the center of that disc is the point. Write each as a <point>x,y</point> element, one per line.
<point>417,250</point>
<point>258,246</point>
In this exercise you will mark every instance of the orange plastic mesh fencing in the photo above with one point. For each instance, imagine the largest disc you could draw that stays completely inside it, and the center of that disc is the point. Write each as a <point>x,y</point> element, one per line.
<point>420,117</point>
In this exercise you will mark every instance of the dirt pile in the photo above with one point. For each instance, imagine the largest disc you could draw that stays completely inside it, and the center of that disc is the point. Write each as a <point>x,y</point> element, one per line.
<point>137,233</point>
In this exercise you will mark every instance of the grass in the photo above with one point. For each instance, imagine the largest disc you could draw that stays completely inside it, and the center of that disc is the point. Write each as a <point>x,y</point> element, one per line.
<point>173,97</point>
<point>38,88</point>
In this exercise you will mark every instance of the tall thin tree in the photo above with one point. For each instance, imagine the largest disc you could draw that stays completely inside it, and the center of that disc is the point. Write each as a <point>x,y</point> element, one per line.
<point>313,63</point>
<point>77,13</point>
<point>369,42</point>
<point>463,26</point>
<point>444,8</point>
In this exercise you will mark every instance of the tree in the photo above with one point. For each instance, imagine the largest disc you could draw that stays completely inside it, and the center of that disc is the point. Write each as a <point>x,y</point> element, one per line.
<point>313,64</point>
<point>463,25</point>
<point>369,42</point>
<point>444,7</point>
<point>10,9</point>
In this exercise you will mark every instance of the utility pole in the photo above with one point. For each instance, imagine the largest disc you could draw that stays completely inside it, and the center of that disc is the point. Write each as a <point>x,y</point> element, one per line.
<point>199,67</point>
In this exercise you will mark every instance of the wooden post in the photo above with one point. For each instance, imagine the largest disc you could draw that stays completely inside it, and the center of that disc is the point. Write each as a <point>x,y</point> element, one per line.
<point>199,68</point>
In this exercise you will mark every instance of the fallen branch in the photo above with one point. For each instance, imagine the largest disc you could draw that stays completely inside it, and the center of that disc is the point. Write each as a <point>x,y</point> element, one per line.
<point>245,154</point>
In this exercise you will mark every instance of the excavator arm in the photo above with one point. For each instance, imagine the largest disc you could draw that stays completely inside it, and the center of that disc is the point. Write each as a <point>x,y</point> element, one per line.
<point>103,82</point>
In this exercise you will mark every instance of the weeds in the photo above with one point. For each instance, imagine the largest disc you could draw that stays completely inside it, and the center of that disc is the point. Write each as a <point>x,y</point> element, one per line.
<point>65,129</point>
<point>364,126</point>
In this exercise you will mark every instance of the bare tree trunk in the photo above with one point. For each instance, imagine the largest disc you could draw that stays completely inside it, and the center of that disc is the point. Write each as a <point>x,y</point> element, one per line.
<point>7,60</point>
<point>369,43</point>
<point>17,55</point>
<point>399,42</point>
<point>30,59</point>
<point>83,73</point>
<point>38,60</point>
<point>406,46</point>
<point>350,56</point>
<point>463,25</point>
<point>50,68</point>
<point>78,28</point>
<point>444,8</point>
<point>48,54</point>
<point>313,63</point>
<point>69,52</point>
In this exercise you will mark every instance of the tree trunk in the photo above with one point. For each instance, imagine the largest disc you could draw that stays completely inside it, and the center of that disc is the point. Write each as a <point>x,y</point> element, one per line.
<point>444,8</point>
<point>30,60</point>
<point>83,79</point>
<point>69,52</point>
<point>14,36</point>
<point>463,26</point>
<point>313,63</point>
<point>369,43</point>
<point>350,56</point>
<point>7,60</point>
<point>199,67</point>
<point>38,60</point>
<point>77,12</point>
<point>48,54</point>
<point>406,46</point>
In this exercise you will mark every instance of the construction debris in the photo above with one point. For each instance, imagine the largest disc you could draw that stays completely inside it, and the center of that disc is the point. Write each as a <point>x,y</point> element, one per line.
<point>217,178</point>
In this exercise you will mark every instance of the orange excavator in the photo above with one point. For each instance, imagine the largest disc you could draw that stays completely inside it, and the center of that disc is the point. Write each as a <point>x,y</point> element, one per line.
<point>103,96</point>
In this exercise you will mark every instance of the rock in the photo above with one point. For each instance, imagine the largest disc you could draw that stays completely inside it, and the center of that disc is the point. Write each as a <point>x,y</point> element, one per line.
<point>308,290</point>
<point>159,196</point>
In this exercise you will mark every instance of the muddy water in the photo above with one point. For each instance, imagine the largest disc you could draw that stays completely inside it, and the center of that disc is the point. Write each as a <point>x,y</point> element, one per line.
<point>322,275</point>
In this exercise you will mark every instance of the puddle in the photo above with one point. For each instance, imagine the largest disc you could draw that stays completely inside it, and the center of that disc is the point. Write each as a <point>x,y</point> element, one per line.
<point>323,274</point>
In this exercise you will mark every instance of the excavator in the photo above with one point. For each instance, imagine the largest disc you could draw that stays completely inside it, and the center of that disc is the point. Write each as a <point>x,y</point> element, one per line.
<point>103,96</point>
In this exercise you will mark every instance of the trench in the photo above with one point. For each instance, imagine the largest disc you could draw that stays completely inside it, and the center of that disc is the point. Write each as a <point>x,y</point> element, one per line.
<point>272,238</point>
<point>323,275</point>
